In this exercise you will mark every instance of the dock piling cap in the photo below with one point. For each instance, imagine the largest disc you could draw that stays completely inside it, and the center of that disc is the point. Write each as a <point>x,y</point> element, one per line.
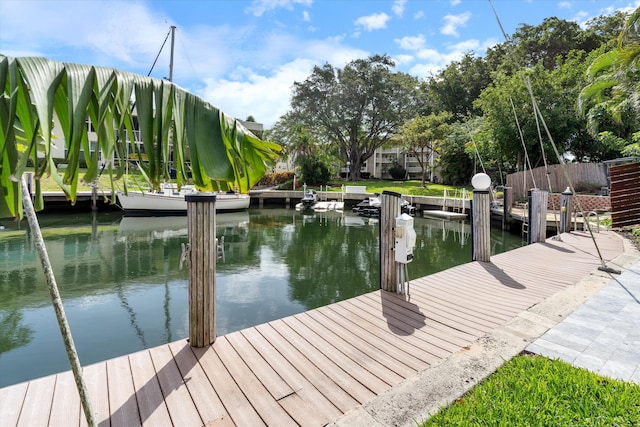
<point>200,197</point>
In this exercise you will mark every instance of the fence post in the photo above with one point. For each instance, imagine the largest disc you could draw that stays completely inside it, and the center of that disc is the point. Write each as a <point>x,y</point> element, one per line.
<point>203,251</point>
<point>389,210</point>
<point>565,210</point>
<point>537,215</point>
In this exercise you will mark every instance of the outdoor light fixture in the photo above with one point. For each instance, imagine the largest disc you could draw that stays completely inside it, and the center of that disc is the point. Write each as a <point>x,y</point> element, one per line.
<point>481,181</point>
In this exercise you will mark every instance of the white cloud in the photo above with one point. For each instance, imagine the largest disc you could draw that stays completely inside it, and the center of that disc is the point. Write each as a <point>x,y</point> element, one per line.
<point>123,30</point>
<point>455,2</point>
<point>452,22</point>
<point>305,16</point>
<point>425,70</point>
<point>466,46</point>
<point>411,42</point>
<point>398,7</point>
<point>258,7</point>
<point>418,15</point>
<point>264,97</point>
<point>565,5</point>
<point>403,59</point>
<point>376,21</point>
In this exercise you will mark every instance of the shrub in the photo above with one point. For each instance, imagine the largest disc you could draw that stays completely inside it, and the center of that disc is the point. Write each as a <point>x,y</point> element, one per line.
<point>275,178</point>
<point>314,172</point>
<point>397,172</point>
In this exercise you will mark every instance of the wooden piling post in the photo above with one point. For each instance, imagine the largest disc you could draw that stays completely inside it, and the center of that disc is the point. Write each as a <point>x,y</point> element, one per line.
<point>537,215</point>
<point>94,195</point>
<point>481,225</point>
<point>203,251</point>
<point>389,210</point>
<point>507,202</point>
<point>565,210</point>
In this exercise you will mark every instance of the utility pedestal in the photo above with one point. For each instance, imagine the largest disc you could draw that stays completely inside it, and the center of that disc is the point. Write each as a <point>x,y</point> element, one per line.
<point>566,201</point>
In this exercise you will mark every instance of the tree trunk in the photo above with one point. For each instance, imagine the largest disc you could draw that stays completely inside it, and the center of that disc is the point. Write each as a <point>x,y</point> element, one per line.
<point>57,303</point>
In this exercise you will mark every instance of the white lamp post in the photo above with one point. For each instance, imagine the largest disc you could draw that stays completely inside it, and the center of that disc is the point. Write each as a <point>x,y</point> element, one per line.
<point>481,217</point>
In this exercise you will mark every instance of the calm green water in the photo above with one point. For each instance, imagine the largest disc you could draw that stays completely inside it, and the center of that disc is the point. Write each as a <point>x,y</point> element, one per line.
<point>123,291</point>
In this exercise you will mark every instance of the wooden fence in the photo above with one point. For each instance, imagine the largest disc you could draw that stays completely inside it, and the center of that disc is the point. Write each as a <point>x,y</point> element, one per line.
<point>582,176</point>
<point>625,194</point>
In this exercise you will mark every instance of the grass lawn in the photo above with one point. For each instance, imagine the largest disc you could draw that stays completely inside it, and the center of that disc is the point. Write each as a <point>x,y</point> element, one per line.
<point>536,391</point>
<point>411,187</point>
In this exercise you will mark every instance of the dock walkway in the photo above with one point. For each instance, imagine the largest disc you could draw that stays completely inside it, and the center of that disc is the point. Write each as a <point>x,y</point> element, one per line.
<point>310,369</point>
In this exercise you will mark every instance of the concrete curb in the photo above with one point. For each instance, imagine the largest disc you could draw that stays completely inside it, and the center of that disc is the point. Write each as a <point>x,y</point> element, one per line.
<point>415,399</point>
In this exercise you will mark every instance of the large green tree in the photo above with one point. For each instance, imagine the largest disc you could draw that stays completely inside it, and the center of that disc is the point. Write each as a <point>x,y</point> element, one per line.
<point>421,137</point>
<point>507,103</point>
<point>456,87</point>
<point>356,109</point>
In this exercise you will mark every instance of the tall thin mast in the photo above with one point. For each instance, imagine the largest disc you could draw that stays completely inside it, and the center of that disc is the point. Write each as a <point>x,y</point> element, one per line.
<point>173,36</point>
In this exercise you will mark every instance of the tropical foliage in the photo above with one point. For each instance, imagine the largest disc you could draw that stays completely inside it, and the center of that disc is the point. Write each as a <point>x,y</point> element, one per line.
<point>611,99</point>
<point>174,126</point>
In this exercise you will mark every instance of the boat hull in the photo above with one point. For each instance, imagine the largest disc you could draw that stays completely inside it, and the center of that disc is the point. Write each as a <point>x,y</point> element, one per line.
<point>142,203</point>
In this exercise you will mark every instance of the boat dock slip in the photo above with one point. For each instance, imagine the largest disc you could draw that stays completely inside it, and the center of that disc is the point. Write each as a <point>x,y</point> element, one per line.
<point>310,369</point>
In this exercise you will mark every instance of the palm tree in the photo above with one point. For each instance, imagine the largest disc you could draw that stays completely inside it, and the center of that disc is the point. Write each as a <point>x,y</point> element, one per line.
<point>172,122</point>
<point>613,88</point>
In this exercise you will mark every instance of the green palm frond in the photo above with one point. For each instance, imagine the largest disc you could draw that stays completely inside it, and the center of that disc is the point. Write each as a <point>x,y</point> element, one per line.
<point>172,122</point>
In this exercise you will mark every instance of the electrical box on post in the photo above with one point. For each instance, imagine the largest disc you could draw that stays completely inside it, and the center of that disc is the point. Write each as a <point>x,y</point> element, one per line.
<point>405,238</point>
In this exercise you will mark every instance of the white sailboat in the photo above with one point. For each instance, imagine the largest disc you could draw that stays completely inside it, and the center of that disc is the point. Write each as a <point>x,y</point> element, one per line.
<point>169,201</point>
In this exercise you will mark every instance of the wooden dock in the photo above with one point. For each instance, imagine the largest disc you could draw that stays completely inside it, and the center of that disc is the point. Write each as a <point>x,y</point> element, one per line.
<point>311,368</point>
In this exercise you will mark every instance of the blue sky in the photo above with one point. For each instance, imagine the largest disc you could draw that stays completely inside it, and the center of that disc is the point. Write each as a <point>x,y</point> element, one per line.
<point>244,56</point>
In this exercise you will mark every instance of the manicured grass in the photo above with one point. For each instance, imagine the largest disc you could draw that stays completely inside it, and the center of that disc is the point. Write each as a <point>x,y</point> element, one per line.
<point>536,391</point>
<point>411,187</point>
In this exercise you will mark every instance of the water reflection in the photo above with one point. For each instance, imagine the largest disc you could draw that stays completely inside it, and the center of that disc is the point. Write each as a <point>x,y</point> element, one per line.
<point>123,291</point>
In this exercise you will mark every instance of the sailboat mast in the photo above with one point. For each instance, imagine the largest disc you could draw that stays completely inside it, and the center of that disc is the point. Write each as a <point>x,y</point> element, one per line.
<point>173,37</point>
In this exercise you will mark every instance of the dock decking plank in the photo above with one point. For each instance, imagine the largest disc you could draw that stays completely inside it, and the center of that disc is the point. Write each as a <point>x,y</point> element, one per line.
<point>449,332</point>
<point>176,395</point>
<point>276,386</point>
<point>65,408</point>
<point>308,392</point>
<point>12,398</point>
<point>357,345</point>
<point>204,396</point>
<point>385,334</point>
<point>422,328</point>
<point>259,397</point>
<point>406,332</point>
<point>233,399</point>
<point>361,367</point>
<point>406,363</point>
<point>153,409</point>
<point>341,377</point>
<point>122,399</point>
<point>325,384</point>
<point>37,402</point>
<point>95,377</point>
